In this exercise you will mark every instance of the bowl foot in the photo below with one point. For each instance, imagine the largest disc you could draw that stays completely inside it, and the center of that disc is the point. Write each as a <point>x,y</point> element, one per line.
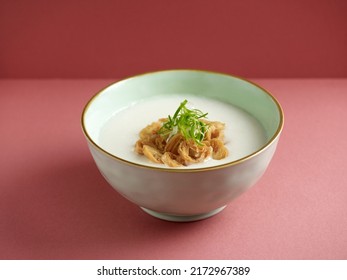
<point>182,218</point>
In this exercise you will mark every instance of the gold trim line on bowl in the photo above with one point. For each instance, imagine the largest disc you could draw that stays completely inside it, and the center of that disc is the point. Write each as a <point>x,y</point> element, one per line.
<point>163,169</point>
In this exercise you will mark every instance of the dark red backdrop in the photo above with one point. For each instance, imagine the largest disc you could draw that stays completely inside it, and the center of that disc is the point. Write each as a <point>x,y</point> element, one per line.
<point>114,39</point>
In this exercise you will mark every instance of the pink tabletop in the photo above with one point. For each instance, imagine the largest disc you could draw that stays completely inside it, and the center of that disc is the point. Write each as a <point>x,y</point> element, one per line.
<point>54,204</point>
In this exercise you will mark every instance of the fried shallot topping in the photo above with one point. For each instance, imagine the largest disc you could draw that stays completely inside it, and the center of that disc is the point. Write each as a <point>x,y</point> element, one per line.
<point>183,139</point>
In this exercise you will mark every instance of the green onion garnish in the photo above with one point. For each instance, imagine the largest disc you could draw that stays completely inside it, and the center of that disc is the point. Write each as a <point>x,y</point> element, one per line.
<point>186,121</point>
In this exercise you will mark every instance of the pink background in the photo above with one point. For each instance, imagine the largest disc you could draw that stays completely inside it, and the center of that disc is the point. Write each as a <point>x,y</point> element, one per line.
<point>115,39</point>
<point>54,204</point>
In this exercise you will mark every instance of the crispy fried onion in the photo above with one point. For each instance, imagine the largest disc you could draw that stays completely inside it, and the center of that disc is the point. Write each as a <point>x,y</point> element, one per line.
<point>176,151</point>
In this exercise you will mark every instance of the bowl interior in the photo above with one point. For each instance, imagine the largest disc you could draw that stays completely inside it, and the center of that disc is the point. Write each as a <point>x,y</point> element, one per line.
<point>228,89</point>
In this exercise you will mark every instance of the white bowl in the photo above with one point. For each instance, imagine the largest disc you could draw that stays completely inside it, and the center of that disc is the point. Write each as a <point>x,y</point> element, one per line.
<point>183,194</point>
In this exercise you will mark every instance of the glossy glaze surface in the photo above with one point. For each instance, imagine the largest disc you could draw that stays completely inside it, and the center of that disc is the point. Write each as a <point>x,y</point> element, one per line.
<point>183,192</point>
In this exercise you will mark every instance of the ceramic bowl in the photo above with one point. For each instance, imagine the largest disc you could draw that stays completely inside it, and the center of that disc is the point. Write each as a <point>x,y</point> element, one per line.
<point>183,194</point>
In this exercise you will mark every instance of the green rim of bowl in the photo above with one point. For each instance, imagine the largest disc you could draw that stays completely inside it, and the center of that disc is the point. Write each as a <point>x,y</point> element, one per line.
<point>180,170</point>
